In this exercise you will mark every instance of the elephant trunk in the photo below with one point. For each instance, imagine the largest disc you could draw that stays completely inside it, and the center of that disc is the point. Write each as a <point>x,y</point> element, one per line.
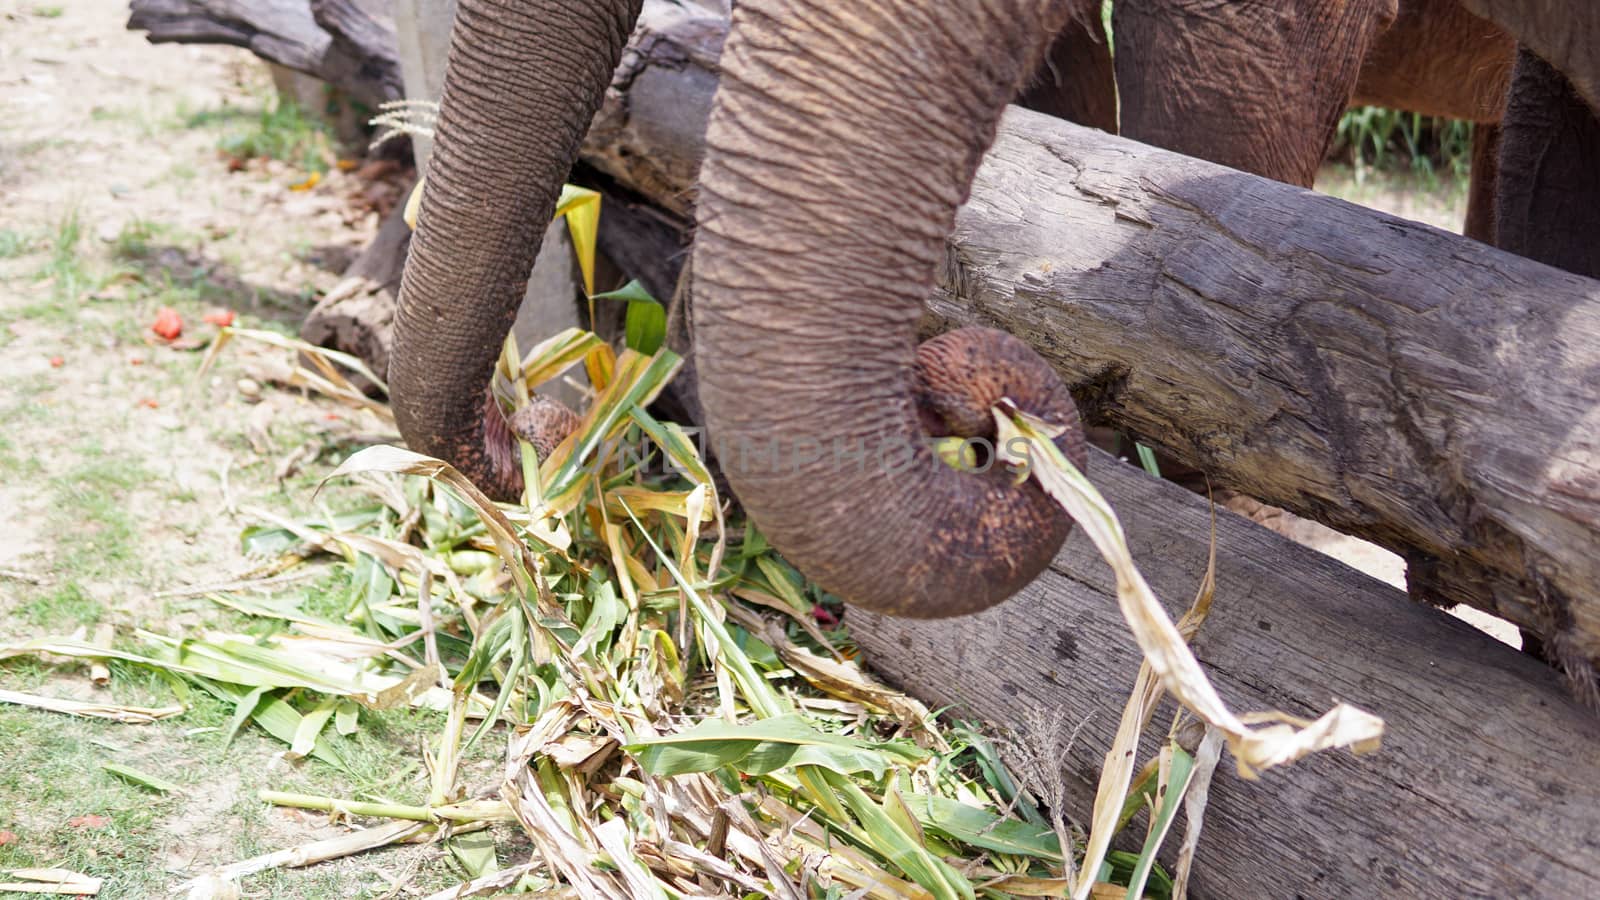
<point>523,80</point>
<point>842,141</point>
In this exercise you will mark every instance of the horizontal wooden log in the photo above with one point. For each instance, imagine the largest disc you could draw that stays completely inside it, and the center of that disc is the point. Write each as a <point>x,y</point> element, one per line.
<point>1381,376</point>
<point>650,131</point>
<point>1488,781</point>
<point>286,32</point>
<point>364,31</point>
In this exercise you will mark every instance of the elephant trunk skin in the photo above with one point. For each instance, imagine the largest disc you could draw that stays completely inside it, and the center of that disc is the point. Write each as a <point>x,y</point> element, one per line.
<point>842,141</point>
<point>523,80</point>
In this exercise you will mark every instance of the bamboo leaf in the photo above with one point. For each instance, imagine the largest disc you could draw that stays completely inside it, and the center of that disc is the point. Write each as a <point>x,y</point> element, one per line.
<point>1179,766</point>
<point>581,206</point>
<point>764,746</point>
<point>143,779</point>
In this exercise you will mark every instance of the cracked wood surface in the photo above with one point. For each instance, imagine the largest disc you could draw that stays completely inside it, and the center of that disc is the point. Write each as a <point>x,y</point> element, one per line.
<point>1489,776</point>
<point>1389,379</point>
<point>358,56</point>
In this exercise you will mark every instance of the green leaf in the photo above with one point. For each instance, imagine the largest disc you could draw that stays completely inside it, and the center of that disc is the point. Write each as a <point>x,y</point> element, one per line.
<point>311,725</point>
<point>272,540</point>
<point>606,612</point>
<point>1147,458</point>
<point>475,851</point>
<point>632,292</point>
<point>675,442</point>
<point>347,718</point>
<point>1118,869</point>
<point>242,711</point>
<point>645,327</point>
<point>764,746</point>
<point>581,206</point>
<point>1182,767</point>
<point>983,829</point>
<point>899,847</point>
<point>143,779</point>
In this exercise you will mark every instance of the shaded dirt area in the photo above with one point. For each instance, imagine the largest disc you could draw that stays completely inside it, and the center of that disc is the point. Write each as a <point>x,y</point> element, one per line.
<point>124,475</point>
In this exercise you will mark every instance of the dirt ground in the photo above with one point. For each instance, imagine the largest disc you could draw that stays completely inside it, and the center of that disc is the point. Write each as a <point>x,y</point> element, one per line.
<point>123,475</point>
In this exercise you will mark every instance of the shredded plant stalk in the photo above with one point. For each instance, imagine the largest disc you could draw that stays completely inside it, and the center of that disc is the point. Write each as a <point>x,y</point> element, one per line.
<point>680,710</point>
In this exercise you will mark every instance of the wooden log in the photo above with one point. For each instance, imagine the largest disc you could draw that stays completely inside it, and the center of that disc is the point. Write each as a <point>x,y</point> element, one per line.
<point>1381,376</point>
<point>650,132</point>
<point>364,31</point>
<point>1488,782</point>
<point>357,315</point>
<point>287,33</point>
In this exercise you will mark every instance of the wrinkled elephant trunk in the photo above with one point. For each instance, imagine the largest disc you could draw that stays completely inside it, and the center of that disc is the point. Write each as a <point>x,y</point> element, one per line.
<point>842,141</point>
<point>523,81</point>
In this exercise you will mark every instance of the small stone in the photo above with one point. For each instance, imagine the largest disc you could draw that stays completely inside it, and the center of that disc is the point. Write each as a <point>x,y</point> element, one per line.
<point>250,388</point>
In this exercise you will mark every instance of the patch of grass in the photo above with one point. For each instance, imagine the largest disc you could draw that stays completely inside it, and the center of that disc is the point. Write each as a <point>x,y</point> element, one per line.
<point>206,118</point>
<point>148,123</point>
<point>13,243</point>
<point>51,774</point>
<point>49,12</point>
<point>284,132</point>
<point>39,145</point>
<point>74,814</point>
<point>12,463</point>
<point>1429,146</point>
<point>26,408</point>
<point>92,509</point>
<point>61,607</point>
<point>133,241</point>
<point>66,270</point>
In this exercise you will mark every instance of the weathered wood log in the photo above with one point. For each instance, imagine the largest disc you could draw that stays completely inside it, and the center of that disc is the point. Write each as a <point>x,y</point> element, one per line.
<point>364,31</point>
<point>650,131</point>
<point>1488,782</point>
<point>357,315</point>
<point>357,62</point>
<point>1381,376</point>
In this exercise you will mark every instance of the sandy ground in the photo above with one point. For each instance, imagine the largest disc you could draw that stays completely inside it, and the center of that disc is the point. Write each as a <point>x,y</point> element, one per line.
<point>101,129</point>
<point>122,472</point>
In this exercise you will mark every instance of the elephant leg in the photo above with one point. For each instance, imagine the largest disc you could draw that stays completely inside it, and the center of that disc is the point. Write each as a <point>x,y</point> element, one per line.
<point>522,83</point>
<point>843,138</point>
<point>1482,182</point>
<point>1258,85</point>
<point>1548,203</point>
<point>1076,82</point>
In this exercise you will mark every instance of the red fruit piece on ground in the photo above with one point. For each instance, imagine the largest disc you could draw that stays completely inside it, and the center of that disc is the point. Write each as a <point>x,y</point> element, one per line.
<point>168,324</point>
